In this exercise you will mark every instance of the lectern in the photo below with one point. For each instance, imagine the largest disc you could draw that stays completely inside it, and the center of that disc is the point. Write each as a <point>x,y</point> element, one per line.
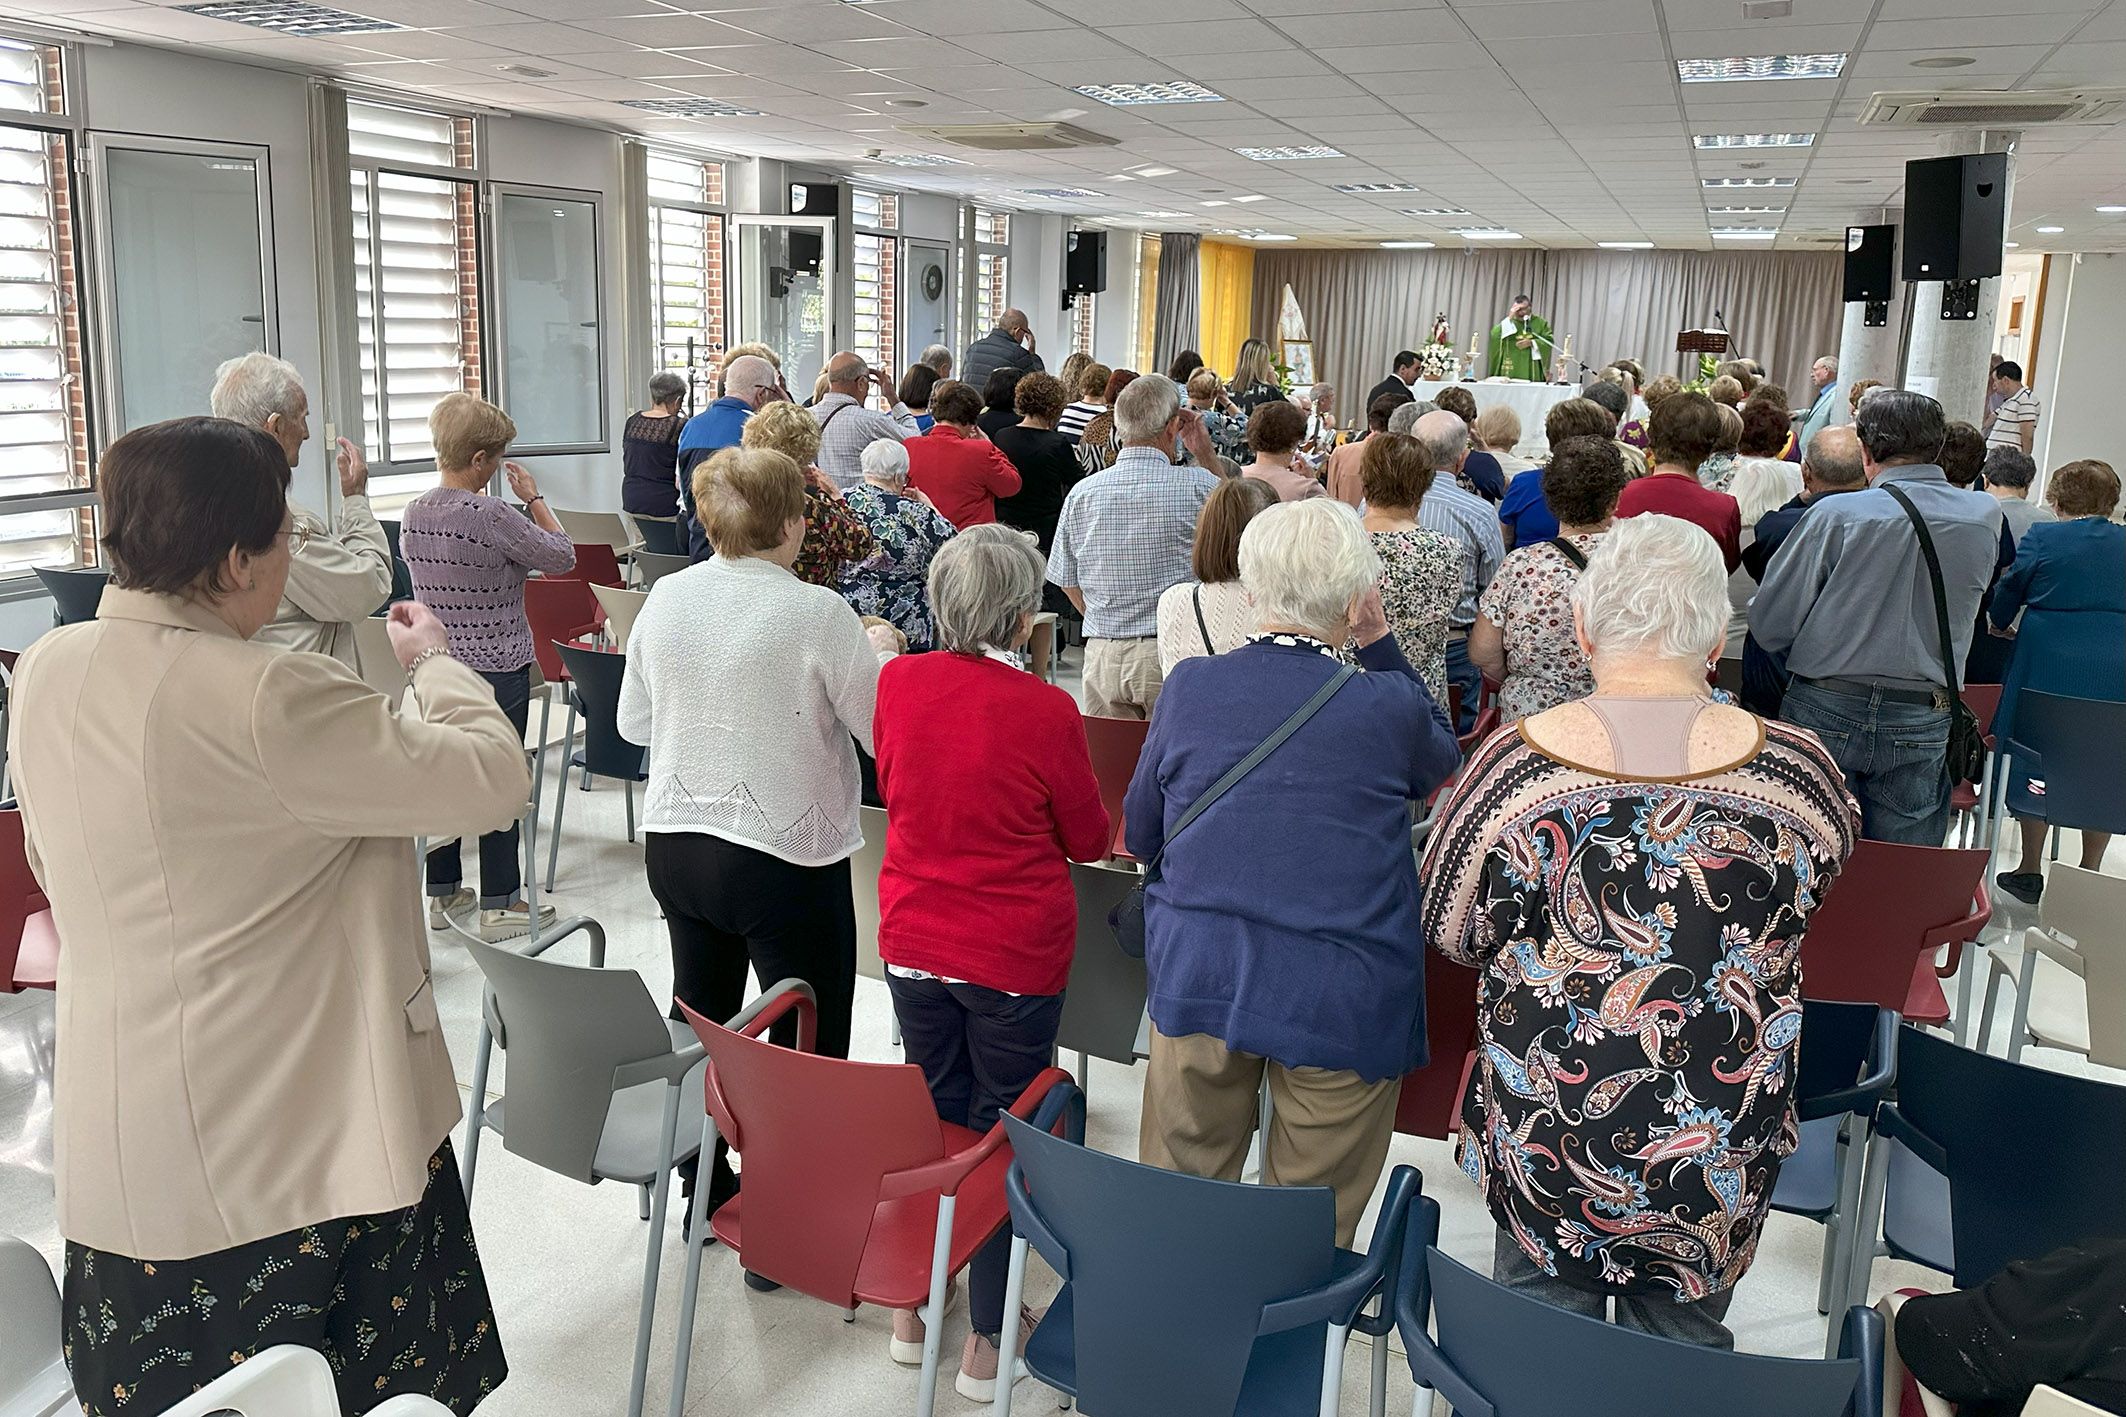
<point>1701,341</point>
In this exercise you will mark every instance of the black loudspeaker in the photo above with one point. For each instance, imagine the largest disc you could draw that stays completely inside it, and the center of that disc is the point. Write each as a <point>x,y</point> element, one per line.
<point>815,199</point>
<point>1085,263</point>
<point>1869,262</point>
<point>1956,212</point>
<point>805,251</point>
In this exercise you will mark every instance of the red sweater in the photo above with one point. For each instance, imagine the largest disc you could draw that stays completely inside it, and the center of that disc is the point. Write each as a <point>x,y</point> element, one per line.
<point>1685,497</point>
<point>962,476</point>
<point>989,795</point>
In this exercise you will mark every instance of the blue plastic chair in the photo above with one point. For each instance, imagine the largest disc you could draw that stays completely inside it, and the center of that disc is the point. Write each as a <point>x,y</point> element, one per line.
<point>1501,1353</point>
<point>2072,745</point>
<point>75,591</point>
<point>595,675</point>
<point>661,536</point>
<point>1189,1298</point>
<point>1981,1161</point>
<point>1848,1066</point>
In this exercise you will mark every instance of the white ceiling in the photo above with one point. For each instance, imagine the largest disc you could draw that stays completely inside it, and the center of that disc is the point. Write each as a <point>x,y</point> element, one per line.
<point>1560,119</point>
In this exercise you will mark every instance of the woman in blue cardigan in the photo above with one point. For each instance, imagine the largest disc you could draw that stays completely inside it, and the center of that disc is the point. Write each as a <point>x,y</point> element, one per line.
<point>1281,935</point>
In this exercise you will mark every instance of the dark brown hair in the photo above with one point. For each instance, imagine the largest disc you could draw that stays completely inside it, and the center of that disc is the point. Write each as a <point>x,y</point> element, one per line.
<point>1458,401</point>
<point>178,496</point>
<point>2082,488</point>
<point>1585,478</point>
<point>1395,471</point>
<point>1963,455</point>
<point>1226,513</point>
<point>1276,427</point>
<point>917,385</point>
<point>956,403</point>
<point>1684,430</point>
<point>1578,418</point>
<point>1039,396</point>
<point>1764,429</point>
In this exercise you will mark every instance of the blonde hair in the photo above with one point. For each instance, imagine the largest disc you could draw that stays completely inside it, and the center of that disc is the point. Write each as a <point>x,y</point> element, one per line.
<point>745,497</point>
<point>786,428</point>
<point>1498,428</point>
<point>462,426</point>
<point>1254,365</point>
<point>757,350</point>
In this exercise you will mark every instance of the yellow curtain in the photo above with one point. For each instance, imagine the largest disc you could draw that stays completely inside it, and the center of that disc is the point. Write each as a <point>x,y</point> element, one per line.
<point>1228,302</point>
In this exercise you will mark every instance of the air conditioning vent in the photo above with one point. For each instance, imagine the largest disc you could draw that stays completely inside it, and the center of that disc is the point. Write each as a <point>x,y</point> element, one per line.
<point>1974,109</point>
<point>1009,137</point>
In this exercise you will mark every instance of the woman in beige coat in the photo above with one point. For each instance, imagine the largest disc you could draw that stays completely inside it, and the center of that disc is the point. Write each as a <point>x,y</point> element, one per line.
<point>253,1100</point>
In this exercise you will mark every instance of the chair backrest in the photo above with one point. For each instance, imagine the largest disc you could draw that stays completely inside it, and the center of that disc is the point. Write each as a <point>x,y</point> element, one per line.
<point>660,537</point>
<point>2033,1158</point>
<point>284,1381</point>
<point>601,528</point>
<point>1487,1332</point>
<point>2051,1402</point>
<point>566,1029</point>
<point>33,1375</point>
<point>817,1134</point>
<point>1169,1273</point>
<point>379,666</point>
<point>1984,700</point>
<point>621,607</point>
<point>864,867</point>
<point>557,610</point>
<point>1864,941</point>
<point>1431,1101</point>
<point>597,563</point>
<point>1103,1005</point>
<point>1115,745</point>
<point>597,674</point>
<point>75,591</point>
<point>2072,745</point>
<point>655,566</point>
<point>2087,909</point>
<point>19,896</point>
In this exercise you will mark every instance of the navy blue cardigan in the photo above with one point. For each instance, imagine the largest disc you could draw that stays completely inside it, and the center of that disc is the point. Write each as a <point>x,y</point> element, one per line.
<point>1284,921</point>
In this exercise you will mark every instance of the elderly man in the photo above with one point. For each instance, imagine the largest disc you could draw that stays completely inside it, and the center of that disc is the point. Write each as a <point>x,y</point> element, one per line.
<point>1823,377</point>
<point>1008,346</point>
<point>1848,602</point>
<point>339,573</point>
<point>1125,534</point>
<point>1473,522</point>
<point>939,358</point>
<point>748,382</point>
<point>846,426</point>
<point>1831,466</point>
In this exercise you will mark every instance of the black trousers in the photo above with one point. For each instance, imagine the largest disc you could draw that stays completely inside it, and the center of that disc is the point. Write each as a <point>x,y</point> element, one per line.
<point>728,906</point>
<point>501,860</point>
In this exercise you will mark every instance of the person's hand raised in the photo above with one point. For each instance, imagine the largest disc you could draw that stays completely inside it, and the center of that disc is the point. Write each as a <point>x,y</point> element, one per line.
<point>413,629</point>
<point>521,482</point>
<point>354,470</point>
<point>1369,622</point>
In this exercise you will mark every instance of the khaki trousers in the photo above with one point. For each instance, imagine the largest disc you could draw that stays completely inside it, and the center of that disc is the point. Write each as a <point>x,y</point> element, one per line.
<point>1326,1128</point>
<point>1121,678</point>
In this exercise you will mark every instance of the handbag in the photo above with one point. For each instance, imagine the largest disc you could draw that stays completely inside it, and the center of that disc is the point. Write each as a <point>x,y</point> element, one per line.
<point>1203,626</point>
<point>1126,919</point>
<point>1967,744</point>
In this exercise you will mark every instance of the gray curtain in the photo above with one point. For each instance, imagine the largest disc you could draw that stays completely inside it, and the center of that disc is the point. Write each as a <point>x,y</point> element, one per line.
<point>1783,308</point>
<point>1177,320</point>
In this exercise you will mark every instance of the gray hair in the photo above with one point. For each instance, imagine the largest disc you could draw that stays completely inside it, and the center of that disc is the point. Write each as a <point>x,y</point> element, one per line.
<point>1654,585</point>
<point>981,583</point>
<point>1896,425</point>
<point>1611,396</point>
<point>1143,409</point>
<point>884,459</point>
<point>1303,563</point>
<point>937,357</point>
<point>1444,438</point>
<point>1321,391</point>
<point>1833,455</point>
<point>1826,361</point>
<point>747,372</point>
<point>2010,467</point>
<point>667,387</point>
<point>252,388</point>
<point>1407,414</point>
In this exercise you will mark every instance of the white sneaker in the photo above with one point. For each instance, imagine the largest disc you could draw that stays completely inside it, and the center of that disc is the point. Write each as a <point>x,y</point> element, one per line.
<point>442,907</point>
<point>909,1329</point>
<point>512,921</point>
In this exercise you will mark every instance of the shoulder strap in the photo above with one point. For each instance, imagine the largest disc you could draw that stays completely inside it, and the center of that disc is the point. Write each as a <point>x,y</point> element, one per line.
<point>1203,627</point>
<point>833,414</point>
<point>1569,551</point>
<point>1941,595</point>
<point>1247,764</point>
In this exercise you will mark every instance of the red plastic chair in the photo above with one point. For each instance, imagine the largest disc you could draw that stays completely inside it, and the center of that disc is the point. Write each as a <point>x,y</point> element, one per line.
<point>1872,941</point>
<point>1115,745</point>
<point>29,946</point>
<point>855,1192</point>
<point>558,610</point>
<point>597,563</point>
<point>1966,798</point>
<point>1431,1101</point>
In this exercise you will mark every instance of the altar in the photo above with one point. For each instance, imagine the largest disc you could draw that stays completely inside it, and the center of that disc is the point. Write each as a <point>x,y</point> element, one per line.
<point>1532,402</point>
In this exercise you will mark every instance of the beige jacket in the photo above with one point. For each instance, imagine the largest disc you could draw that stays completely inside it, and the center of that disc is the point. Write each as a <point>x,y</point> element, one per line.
<point>247,1039</point>
<point>342,575</point>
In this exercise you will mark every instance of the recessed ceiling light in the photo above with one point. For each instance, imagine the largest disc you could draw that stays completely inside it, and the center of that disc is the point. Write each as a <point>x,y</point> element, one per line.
<point>1215,202</point>
<point>2049,230</point>
<point>1056,194</point>
<point>1161,216</point>
<point>1944,61</point>
<point>1252,197</point>
<point>1745,233</point>
<point>1625,245</point>
<point>291,17</point>
<point>1755,140</point>
<point>1267,236</point>
<point>1155,172</point>
<point>2111,209</point>
<point>907,103</point>
<point>2011,245</point>
<point>1854,181</point>
<point>1486,233</point>
<point>922,160</point>
<point>1361,188</point>
<point>1434,211</point>
<point>1744,211</point>
<point>1762,66</point>
<point>693,108</point>
<point>1715,184</point>
<point>1129,95</point>
<point>1288,154</point>
<point>526,71</point>
<point>1407,245</point>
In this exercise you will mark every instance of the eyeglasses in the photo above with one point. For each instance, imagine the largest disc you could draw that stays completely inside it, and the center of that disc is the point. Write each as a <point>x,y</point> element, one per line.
<point>297,540</point>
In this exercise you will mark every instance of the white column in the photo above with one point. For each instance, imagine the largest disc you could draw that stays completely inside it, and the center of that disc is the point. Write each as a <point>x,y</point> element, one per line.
<point>1947,358</point>
<point>1865,353</point>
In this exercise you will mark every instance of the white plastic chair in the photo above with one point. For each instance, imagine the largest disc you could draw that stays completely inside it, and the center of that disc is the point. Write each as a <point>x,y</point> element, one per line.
<point>2080,934</point>
<point>621,607</point>
<point>33,1376</point>
<point>288,1381</point>
<point>2051,1402</point>
<point>615,529</point>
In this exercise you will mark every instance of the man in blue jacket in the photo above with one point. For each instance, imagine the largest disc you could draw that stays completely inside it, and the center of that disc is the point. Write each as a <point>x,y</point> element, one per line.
<point>748,382</point>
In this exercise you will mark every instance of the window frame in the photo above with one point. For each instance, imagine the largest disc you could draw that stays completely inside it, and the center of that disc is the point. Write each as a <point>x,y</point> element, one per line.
<point>720,213</point>
<point>893,347</point>
<point>979,319</point>
<point>496,317</point>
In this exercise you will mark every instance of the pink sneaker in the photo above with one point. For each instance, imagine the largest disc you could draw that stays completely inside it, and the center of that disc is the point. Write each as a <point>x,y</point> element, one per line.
<point>977,1379</point>
<point>909,1330</point>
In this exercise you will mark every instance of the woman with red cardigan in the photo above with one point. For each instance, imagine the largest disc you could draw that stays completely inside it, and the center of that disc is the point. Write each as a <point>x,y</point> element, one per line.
<point>955,465</point>
<point>989,795</point>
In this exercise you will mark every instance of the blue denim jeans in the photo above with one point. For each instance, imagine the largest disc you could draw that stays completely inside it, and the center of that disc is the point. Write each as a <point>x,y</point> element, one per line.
<point>1895,758</point>
<point>1466,677</point>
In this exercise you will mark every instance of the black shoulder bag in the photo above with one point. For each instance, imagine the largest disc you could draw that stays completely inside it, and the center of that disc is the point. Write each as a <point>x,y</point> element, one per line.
<point>1127,917</point>
<point>1569,551</point>
<point>1967,745</point>
<point>1203,626</point>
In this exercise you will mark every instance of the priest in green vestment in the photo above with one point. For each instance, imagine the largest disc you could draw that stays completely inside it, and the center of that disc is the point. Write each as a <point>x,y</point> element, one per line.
<point>1521,344</point>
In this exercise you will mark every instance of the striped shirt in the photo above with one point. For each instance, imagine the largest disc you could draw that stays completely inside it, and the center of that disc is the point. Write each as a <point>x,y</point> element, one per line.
<point>2017,412</point>
<point>1125,535</point>
<point>1473,522</point>
<point>468,554</point>
<point>1075,417</point>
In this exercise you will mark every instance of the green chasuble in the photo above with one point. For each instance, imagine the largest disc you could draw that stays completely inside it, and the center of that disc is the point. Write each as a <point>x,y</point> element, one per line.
<point>1514,362</point>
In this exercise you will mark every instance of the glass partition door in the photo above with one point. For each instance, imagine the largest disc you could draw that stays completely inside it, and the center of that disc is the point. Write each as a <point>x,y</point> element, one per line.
<point>783,292</point>
<point>548,282</point>
<point>926,296</point>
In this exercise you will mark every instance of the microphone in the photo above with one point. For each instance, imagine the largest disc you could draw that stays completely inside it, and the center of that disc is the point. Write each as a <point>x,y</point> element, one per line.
<point>1719,319</point>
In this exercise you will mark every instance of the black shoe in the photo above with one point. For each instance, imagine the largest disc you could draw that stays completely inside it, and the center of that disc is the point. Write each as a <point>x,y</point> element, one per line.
<point>2025,886</point>
<point>759,1285</point>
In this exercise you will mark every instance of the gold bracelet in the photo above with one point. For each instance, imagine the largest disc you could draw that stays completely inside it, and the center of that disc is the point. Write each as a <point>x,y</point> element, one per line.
<point>432,652</point>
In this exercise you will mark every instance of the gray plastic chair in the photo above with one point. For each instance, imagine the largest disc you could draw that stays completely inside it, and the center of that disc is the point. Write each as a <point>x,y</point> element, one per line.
<point>288,1380</point>
<point>597,1076</point>
<point>33,1376</point>
<point>652,567</point>
<point>1103,1005</point>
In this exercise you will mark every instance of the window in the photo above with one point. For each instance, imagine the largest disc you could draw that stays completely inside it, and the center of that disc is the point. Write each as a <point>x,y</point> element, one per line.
<point>549,326</point>
<point>877,286</point>
<point>47,513</point>
<point>1147,299</point>
<point>992,268</point>
<point>686,269</point>
<point>1081,324</point>
<point>416,260</point>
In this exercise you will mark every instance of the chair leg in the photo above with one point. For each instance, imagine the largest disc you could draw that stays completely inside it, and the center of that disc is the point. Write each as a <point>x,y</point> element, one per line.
<point>1332,1369</point>
<point>642,1203</point>
<point>690,1289</point>
<point>1972,960</point>
<point>639,1377</point>
<point>553,847</point>
<point>531,876</point>
<point>1866,1231</point>
<point>934,1312</point>
<point>2019,1025</point>
<point>1377,1403</point>
<point>476,1116</point>
<point>1008,1339</point>
<point>1985,1018</point>
<point>546,718</point>
<point>1833,1244</point>
<point>627,789</point>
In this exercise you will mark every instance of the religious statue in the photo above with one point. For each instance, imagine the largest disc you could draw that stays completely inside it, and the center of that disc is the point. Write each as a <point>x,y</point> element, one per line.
<point>1437,361</point>
<point>1561,372</point>
<point>1473,362</point>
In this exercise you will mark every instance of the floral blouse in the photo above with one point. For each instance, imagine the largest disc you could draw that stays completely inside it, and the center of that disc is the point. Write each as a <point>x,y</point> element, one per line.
<point>1530,600</point>
<point>890,581</point>
<point>1639,1011</point>
<point>1418,592</point>
<point>833,538</point>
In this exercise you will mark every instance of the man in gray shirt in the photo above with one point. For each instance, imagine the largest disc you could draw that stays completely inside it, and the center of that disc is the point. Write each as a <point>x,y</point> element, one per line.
<point>846,426</point>
<point>1472,521</point>
<point>1849,603</point>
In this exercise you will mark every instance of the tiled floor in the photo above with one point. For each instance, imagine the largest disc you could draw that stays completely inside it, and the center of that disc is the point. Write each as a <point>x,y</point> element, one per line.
<point>565,1261</point>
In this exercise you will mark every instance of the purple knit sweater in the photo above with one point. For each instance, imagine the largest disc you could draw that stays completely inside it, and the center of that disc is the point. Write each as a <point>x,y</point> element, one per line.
<point>468,554</point>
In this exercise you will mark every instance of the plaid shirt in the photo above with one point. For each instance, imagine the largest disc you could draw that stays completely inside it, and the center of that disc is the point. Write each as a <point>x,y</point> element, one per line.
<point>1125,535</point>
<point>846,428</point>
<point>1473,522</point>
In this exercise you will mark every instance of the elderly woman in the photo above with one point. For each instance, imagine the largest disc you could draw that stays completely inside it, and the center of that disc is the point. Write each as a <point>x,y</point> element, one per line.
<point>1221,416</point>
<point>1523,636</point>
<point>1525,517</point>
<point>1271,963</point>
<point>752,689</point>
<point>469,554</point>
<point>244,1173</point>
<point>1073,369</point>
<point>1047,464</point>
<point>1421,576</point>
<point>916,387</point>
<point>998,400</point>
<point>1099,443</point>
<point>1211,614</point>
<point>956,465</point>
<point>1274,433</point>
<point>649,451</point>
<point>1631,875</point>
<point>1634,434</point>
<point>2068,585</point>
<point>1481,472</point>
<point>1497,431</point>
<point>834,539</point>
<point>990,794</point>
<point>1090,390</point>
<point>906,532</point>
<point>1759,485</point>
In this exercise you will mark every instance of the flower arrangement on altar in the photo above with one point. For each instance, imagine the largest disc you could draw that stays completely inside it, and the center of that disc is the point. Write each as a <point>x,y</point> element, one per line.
<point>1437,361</point>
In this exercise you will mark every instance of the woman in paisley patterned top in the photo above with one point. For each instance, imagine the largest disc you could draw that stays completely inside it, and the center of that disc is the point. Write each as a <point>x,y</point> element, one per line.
<point>833,538</point>
<point>906,531</point>
<point>1632,874</point>
<point>1423,580</point>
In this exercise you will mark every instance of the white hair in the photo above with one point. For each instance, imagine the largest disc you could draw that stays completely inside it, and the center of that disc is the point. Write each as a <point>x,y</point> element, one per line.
<point>1302,563</point>
<point>1654,585</point>
<point>1143,410</point>
<point>1321,391</point>
<point>884,459</point>
<point>1445,439</point>
<point>937,357</point>
<point>1828,361</point>
<point>982,582</point>
<point>746,373</point>
<point>1762,485</point>
<point>252,388</point>
<point>1406,415</point>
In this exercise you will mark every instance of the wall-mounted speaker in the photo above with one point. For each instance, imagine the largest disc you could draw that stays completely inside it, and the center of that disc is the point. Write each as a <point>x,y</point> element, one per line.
<point>1085,263</point>
<point>1956,211</point>
<point>1870,262</point>
<point>815,199</point>
<point>806,248</point>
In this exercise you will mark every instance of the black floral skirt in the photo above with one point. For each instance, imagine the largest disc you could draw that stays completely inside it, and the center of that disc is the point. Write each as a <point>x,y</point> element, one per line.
<point>396,1302</point>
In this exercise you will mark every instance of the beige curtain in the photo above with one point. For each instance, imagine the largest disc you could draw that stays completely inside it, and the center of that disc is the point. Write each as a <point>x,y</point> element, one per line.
<point>1782,308</point>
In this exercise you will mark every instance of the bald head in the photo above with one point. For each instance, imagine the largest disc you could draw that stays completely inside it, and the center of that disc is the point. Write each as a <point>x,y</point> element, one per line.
<point>748,377</point>
<point>1445,439</point>
<point>1833,462</point>
<point>1013,323</point>
<point>847,373</point>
